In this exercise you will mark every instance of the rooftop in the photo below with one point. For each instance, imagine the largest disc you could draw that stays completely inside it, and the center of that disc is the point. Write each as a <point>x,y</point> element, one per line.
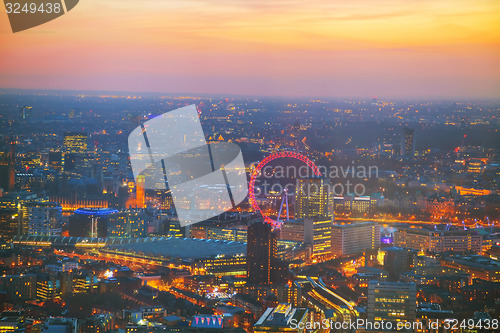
<point>183,248</point>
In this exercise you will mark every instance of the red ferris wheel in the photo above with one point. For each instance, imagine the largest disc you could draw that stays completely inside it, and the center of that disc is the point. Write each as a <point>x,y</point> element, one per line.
<point>257,172</point>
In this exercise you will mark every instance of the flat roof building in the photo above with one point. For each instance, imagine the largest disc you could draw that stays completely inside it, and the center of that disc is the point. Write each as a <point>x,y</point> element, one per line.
<point>478,267</point>
<point>392,301</point>
<point>439,240</point>
<point>353,238</point>
<point>283,318</point>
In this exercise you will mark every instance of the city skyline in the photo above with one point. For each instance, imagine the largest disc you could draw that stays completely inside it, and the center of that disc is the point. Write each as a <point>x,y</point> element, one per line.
<point>84,246</point>
<point>384,49</point>
<point>250,167</point>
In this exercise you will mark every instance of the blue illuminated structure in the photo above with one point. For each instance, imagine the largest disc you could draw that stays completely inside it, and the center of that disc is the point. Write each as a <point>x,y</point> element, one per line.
<point>95,213</point>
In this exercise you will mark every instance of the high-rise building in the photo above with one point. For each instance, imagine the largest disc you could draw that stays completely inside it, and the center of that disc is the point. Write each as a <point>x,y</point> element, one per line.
<point>354,238</point>
<point>321,236</point>
<point>25,112</point>
<point>129,223</point>
<point>16,201</point>
<point>408,143</point>
<point>47,287</point>
<point>312,231</point>
<point>69,162</point>
<point>391,301</point>
<point>7,168</point>
<point>18,287</point>
<point>8,223</point>
<point>56,160</point>
<point>262,254</point>
<point>43,218</point>
<point>313,198</point>
<point>75,142</point>
<point>397,260</point>
<point>84,282</point>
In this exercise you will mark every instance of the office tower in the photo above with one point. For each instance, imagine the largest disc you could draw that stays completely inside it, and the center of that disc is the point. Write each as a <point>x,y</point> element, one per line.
<point>396,261</point>
<point>69,162</point>
<point>56,160</point>
<point>43,218</point>
<point>312,198</point>
<point>129,223</point>
<point>47,287</point>
<point>354,238</point>
<point>391,301</point>
<point>16,201</point>
<point>8,223</point>
<point>475,166</point>
<point>316,232</point>
<point>85,282</point>
<point>66,282</point>
<point>25,112</point>
<point>262,250</point>
<point>171,227</point>
<point>408,143</point>
<point>7,168</point>
<point>18,287</point>
<point>75,142</point>
<point>322,236</point>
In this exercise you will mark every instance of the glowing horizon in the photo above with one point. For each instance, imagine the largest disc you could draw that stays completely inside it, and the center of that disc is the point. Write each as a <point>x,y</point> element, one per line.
<point>385,48</point>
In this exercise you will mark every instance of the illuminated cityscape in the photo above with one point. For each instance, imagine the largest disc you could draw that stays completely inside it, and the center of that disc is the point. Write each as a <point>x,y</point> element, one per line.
<point>399,224</point>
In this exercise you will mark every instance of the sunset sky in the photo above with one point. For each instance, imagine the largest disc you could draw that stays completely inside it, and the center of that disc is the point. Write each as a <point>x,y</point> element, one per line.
<point>356,48</point>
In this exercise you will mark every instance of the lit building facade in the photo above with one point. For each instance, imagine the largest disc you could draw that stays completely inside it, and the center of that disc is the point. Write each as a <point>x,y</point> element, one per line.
<point>283,318</point>
<point>295,230</point>
<point>392,301</point>
<point>18,287</point>
<point>478,267</point>
<point>313,198</point>
<point>408,143</point>
<point>43,218</point>
<point>354,238</point>
<point>47,287</point>
<point>7,169</point>
<point>129,223</point>
<point>75,142</point>
<point>321,236</point>
<point>316,232</point>
<point>439,241</point>
<point>237,234</point>
<point>262,253</point>
<point>16,201</point>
